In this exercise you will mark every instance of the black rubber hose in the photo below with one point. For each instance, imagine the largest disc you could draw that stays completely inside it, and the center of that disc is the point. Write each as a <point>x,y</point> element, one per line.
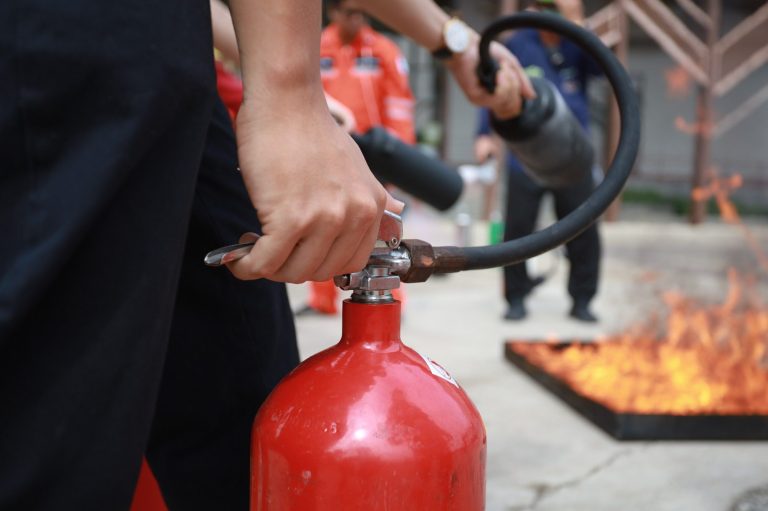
<point>515,251</point>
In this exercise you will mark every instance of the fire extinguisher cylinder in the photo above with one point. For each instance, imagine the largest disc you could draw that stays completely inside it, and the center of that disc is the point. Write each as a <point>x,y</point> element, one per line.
<point>368,424</point>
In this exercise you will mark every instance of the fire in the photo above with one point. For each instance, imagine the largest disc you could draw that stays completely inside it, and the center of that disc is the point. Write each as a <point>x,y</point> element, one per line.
<point>720,189</point>
<point>711,360</point>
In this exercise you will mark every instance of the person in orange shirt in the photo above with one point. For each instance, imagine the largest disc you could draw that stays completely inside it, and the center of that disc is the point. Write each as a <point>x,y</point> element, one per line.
<point>364,71</point>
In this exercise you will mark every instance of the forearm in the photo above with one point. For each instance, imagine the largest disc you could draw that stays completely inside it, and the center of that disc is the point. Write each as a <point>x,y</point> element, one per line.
<point>224,38</point>
<point>279,50</point>
<point>423,21</point>
<point>420,20</point>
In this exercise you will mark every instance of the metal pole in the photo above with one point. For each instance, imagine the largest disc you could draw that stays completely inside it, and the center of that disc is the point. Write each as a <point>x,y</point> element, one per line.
<point>704,107</point>
<point>612,125</point>
<point>508,7</point>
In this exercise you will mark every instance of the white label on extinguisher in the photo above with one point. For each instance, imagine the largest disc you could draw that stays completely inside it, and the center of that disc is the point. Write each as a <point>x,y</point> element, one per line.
<point>438,370</point>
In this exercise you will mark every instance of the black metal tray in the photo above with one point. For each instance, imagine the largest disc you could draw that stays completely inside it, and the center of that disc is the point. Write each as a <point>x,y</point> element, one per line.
<point>635,426</point>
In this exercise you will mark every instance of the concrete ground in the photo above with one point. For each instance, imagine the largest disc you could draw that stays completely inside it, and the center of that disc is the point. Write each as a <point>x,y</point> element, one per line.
<point>541,455</point>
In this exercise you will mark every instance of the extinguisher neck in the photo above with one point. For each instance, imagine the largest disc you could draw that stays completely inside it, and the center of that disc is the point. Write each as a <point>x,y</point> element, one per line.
<point>376,325</point>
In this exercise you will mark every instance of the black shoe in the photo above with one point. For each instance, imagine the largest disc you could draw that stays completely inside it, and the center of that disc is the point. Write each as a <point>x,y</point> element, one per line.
<point>536,282</point>
<point>515,311</point>
<point>581,312</point>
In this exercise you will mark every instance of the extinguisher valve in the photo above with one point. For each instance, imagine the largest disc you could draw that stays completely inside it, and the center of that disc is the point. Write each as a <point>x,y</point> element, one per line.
<point>373,284</point>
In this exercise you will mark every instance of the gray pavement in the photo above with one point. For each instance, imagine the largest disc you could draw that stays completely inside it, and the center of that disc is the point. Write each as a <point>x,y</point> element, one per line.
<point>541,455</point>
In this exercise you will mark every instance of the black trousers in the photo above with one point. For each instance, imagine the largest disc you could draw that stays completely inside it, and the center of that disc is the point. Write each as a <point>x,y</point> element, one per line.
<point>231,342</point>
<point>105,111</point>
<point>523,200</point>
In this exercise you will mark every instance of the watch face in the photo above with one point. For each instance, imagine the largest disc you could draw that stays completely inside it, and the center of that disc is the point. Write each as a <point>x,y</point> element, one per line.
<point>456,36</point>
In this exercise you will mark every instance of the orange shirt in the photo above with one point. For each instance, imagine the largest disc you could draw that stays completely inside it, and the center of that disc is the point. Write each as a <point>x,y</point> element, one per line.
<point>370,77</point>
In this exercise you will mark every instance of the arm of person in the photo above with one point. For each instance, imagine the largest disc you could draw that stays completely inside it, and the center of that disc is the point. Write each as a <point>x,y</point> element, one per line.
<point>423,21</point>
<point>486,145</point>
<point>317,201</point>
<point>224,38</point>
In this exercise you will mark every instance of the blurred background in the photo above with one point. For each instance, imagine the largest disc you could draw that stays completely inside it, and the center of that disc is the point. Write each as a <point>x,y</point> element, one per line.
<point>670,72</point>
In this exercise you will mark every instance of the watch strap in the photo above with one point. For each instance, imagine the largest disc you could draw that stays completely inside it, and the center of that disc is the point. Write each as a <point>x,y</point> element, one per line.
<point>442,53</point>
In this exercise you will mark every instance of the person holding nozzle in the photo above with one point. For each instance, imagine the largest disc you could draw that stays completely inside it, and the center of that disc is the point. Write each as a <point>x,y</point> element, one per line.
<point>546,55</point>
<point>107,111</point>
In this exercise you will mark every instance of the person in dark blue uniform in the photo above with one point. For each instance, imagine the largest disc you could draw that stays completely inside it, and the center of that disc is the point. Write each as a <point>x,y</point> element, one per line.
<point>563,63</point>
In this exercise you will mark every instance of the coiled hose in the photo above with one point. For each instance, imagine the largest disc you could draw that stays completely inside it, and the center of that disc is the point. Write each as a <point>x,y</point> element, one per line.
<point>451,259</point>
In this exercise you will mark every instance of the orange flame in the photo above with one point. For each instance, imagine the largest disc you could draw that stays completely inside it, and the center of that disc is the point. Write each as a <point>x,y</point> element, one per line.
<point>712,360</point>
<point>720,189</point>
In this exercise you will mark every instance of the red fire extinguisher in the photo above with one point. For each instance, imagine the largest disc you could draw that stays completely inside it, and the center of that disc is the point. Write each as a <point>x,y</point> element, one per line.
<point>369,424</point>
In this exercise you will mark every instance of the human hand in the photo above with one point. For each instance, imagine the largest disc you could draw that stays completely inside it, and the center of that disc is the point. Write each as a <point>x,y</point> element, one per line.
<point>512,84</point>
<point>317,201</point>
<point>485,148</point>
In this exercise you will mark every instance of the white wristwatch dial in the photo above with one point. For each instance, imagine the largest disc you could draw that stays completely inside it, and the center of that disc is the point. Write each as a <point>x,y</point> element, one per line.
<point>456,35</point>
<point>456,39</point>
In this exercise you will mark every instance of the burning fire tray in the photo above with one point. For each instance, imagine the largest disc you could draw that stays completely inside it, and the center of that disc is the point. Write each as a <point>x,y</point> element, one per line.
<point>636,426</point>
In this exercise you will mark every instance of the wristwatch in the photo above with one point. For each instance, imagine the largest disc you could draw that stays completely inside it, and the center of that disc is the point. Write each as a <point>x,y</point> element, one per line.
<point>456,37</point>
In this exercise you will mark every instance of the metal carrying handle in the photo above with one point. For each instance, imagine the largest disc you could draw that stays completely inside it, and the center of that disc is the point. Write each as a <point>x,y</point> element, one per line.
<point>390,233</point>
<point>224,255</point>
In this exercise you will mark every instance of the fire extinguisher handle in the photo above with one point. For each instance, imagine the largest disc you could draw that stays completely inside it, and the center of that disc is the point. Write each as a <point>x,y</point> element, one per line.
<point>390,229</point>
<point>390,232</point>
<point>224,255</point>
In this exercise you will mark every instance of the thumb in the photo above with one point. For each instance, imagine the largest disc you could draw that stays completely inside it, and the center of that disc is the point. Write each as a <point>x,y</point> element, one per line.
<point>394,205</point>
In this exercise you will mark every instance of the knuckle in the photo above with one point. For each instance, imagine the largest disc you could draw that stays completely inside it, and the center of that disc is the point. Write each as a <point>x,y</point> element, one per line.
<point>322,275</point>
<point>269,269</point>
<point>334,218</point>
<point>238,272</point>
<point>297,280</point>
<point>380,197</point>
<point>367,212</point>
<point>297,220</point>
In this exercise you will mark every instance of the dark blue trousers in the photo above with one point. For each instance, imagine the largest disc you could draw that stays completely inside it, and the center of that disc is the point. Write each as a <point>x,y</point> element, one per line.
<point>112,148</point>
<point>523,202</point>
